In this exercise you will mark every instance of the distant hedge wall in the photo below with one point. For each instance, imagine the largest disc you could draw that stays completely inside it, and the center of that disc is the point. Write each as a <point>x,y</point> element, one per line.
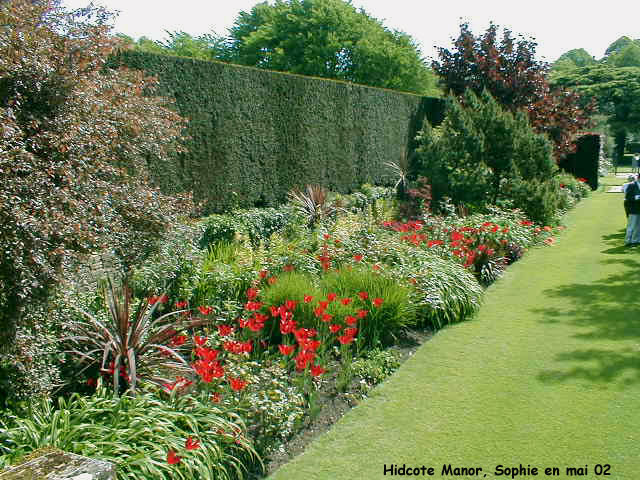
<point>584,162</point>
<point>260,133</point>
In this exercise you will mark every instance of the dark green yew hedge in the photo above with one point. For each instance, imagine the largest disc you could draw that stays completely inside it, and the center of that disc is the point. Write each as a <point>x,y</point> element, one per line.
<point>584,162</point>
<point>260,133</point>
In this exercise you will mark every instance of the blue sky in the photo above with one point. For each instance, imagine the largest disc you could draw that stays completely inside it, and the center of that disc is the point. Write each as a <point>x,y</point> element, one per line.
<point>557,26</point>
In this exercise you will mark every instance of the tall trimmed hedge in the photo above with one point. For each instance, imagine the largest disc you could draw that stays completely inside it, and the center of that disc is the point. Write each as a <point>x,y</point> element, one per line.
<point>260,133</point>
<point>584,162</point>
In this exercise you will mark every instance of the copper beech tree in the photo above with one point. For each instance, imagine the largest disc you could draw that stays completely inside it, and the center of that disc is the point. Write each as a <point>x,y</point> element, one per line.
<point>76,143</point>
<point>507,68</point>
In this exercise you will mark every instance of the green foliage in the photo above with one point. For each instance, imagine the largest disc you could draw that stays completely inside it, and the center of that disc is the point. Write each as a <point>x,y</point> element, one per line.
<point>130,347</point>
<point>32,369</point>
<point>629,56</point>
<point>257,224</point>
<point>218,228</point>
<point>224,276</point>
<point>136,434</point>
<point>618,45</point>
<point>289,131</point>
<point>585,161</point>
<point>330,39</point>
<point>443,290</point>
<point>273,406</point>
<point>312,204</point>
<point>73,154</point>
<point>168,270</point>
<point>383,323</point>
<point>578,57</point>
<point>539,199</point>
<point>292,286</point>
<point>617,92</point>
<point>484,155</point>
<point>508,70</point>
<point>375,367</point>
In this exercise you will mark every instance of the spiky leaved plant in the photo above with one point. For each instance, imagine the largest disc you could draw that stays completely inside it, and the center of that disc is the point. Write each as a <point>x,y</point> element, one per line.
<point>128,346</point>
<point>312,203</point>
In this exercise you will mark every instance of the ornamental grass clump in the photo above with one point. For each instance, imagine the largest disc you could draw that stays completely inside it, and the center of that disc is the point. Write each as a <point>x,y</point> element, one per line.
<point>183,437</point>
<point>388,303</point>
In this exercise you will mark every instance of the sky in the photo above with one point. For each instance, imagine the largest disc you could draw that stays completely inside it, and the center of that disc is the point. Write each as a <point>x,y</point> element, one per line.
<point>556,25</point>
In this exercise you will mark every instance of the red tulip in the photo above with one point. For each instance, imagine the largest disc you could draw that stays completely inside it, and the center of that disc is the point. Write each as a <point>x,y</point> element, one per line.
<point>290,304</point>
<point>225,330</point>
<point>286,349</point>
<point>362,313</point>
<point>199,340</point>
<point>317,370</point>
<point>172,458</point>
<point>363,295</point>
<point>350,320</point>
<point>331,297</point>
<point>345,339</point>
<point>335,328</point>
<point>237,384</point>
<point>357,258</point>
<point>345,301</point>
<point>308,299</point>
<point>377,302</point>
<point>178,340</point>
<point>207,354</point>
<point>192,444</point>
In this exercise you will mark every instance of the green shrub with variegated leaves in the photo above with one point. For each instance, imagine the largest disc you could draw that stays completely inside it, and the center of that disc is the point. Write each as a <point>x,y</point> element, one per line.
<point>137,434</point>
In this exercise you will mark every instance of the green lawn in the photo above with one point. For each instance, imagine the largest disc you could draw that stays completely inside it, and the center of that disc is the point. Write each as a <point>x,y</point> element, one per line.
<point>547,375</point>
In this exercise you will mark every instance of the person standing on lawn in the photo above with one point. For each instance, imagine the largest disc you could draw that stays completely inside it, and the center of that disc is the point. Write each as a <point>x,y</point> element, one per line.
<point>630,180</point>
<point>632,197</point>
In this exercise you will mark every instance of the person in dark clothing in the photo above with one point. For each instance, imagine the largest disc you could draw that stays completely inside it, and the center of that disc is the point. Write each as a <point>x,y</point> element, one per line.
<point>632,198</point>
<point>630,180</point>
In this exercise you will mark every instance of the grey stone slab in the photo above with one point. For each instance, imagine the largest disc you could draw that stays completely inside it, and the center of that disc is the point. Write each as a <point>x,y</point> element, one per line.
<point>61,466</point>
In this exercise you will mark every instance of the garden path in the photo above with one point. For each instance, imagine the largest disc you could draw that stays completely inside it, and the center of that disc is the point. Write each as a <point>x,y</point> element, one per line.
<point>547,375</point>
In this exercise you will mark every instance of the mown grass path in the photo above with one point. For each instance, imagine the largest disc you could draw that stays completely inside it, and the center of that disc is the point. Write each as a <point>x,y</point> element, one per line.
<point>548,374</point>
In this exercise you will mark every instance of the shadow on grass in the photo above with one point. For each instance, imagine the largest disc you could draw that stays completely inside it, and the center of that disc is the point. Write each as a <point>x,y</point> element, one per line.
<point>605,309</point>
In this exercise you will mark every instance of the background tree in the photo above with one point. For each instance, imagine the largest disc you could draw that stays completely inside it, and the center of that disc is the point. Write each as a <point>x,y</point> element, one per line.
<point>76,146</point>
<point>204,47</point>
<point>618,45</point>
<point>508,70</point>
<point>628,56</point>
<point>617,92</point>
<point>330,39</point>
<point>578,57</point>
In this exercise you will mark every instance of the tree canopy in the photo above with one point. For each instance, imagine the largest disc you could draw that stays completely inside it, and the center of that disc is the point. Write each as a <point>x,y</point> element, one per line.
<point>615,89</point>
<point>330,39</point>
<point>508,69</point>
